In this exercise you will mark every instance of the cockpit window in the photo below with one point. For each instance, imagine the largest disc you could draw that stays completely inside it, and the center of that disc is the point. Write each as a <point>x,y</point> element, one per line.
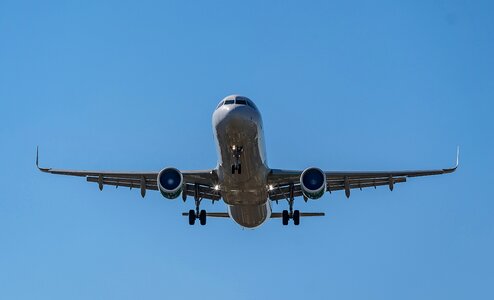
<point>251,104</point>
<point>239,100</point>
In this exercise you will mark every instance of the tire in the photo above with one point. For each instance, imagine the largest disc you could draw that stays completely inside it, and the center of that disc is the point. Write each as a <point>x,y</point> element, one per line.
<point>233,169</point>
<point>285,217</point>
<point>192,217</point>
<point>202,217</point>
<point>239,169</point>
<point>296,217</point>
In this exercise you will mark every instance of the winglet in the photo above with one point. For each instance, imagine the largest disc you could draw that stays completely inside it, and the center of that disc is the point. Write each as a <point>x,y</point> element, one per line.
<point>451,170</point>
<point>37,161</point>
<point>457,156</point>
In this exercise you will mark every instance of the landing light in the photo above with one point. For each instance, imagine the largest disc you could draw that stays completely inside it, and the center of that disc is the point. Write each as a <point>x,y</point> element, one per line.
<point>271,187</point>
<point>216,187</point>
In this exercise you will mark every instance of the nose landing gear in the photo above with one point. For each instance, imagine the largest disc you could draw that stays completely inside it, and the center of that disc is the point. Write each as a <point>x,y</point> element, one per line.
<point>237,168</point>
<point>237,151</point>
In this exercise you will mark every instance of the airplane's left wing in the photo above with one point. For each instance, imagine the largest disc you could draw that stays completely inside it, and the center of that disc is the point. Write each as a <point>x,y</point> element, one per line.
<point>286,183</point>
<point>199,182</point>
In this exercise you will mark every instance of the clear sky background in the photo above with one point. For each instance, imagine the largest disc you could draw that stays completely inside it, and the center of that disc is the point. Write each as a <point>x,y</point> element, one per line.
<point>359,85</point>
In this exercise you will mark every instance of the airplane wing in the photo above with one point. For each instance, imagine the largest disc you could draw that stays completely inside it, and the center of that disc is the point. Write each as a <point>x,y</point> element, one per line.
<point>280,181</point>
<point>203,180</point>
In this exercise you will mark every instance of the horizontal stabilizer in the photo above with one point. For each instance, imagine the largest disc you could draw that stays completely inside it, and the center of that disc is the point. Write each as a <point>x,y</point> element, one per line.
<point>212,214</point>
<point>302,214</point>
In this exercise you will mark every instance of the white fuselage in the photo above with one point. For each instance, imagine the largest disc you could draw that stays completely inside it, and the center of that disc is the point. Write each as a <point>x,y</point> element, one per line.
<point>246,192</point>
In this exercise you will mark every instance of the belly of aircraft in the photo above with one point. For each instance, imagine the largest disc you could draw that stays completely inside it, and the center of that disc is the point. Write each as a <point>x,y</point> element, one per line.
<point>248,215</point>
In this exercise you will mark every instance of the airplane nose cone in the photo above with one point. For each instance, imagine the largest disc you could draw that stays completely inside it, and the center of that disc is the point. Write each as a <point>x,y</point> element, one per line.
<point>240,113</point>
<point>240,116</point>
<point>237,121</point>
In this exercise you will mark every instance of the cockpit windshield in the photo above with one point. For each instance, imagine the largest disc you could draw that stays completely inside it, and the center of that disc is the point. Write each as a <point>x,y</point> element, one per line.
<point>238,100</point>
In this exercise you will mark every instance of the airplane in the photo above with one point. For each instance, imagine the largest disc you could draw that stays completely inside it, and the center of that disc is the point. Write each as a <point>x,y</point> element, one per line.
<point>242,178</point>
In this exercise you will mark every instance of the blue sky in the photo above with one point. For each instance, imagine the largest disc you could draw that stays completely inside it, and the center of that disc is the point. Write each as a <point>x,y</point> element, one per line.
<point>357,85</point>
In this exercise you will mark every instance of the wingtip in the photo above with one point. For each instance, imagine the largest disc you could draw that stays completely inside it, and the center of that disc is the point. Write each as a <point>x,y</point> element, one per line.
<point>450,170</point>
<point>37,157</point>
<point>457,156</point>
<point>37,161</point>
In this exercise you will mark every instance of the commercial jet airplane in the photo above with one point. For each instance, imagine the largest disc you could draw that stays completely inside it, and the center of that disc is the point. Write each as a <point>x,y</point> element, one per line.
<point>242,177</point>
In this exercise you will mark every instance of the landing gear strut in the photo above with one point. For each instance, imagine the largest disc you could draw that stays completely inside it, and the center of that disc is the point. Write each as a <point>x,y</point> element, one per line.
<point>291,214</point>
<point>197,213</point>
<point>237,166</point>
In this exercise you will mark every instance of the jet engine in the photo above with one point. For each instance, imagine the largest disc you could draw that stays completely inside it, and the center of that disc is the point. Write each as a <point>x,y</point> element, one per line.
<point>313,183</point>
<point>170,182</point>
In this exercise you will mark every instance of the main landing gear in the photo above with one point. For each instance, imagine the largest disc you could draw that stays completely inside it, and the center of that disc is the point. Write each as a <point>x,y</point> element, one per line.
<point>237,166</point>
<point>201,215</point>
<point>286,215</point>
<point>293,214</point>
<point>197,213</point>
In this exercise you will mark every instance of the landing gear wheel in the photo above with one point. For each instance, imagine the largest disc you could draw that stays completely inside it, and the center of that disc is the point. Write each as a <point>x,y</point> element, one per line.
<point>192,217</point>
<point>202,217</point>
<point>285,217</point>
<point>237,169</point>
<point>296,217</point>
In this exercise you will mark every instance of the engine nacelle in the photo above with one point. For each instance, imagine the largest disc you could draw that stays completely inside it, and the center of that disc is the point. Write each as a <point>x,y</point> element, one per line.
<point>313,183</point>
<point>170,182</point>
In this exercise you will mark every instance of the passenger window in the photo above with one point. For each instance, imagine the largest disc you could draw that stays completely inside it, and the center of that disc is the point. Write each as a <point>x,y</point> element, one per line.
<point>243,102</point>
<point>229,102</point>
